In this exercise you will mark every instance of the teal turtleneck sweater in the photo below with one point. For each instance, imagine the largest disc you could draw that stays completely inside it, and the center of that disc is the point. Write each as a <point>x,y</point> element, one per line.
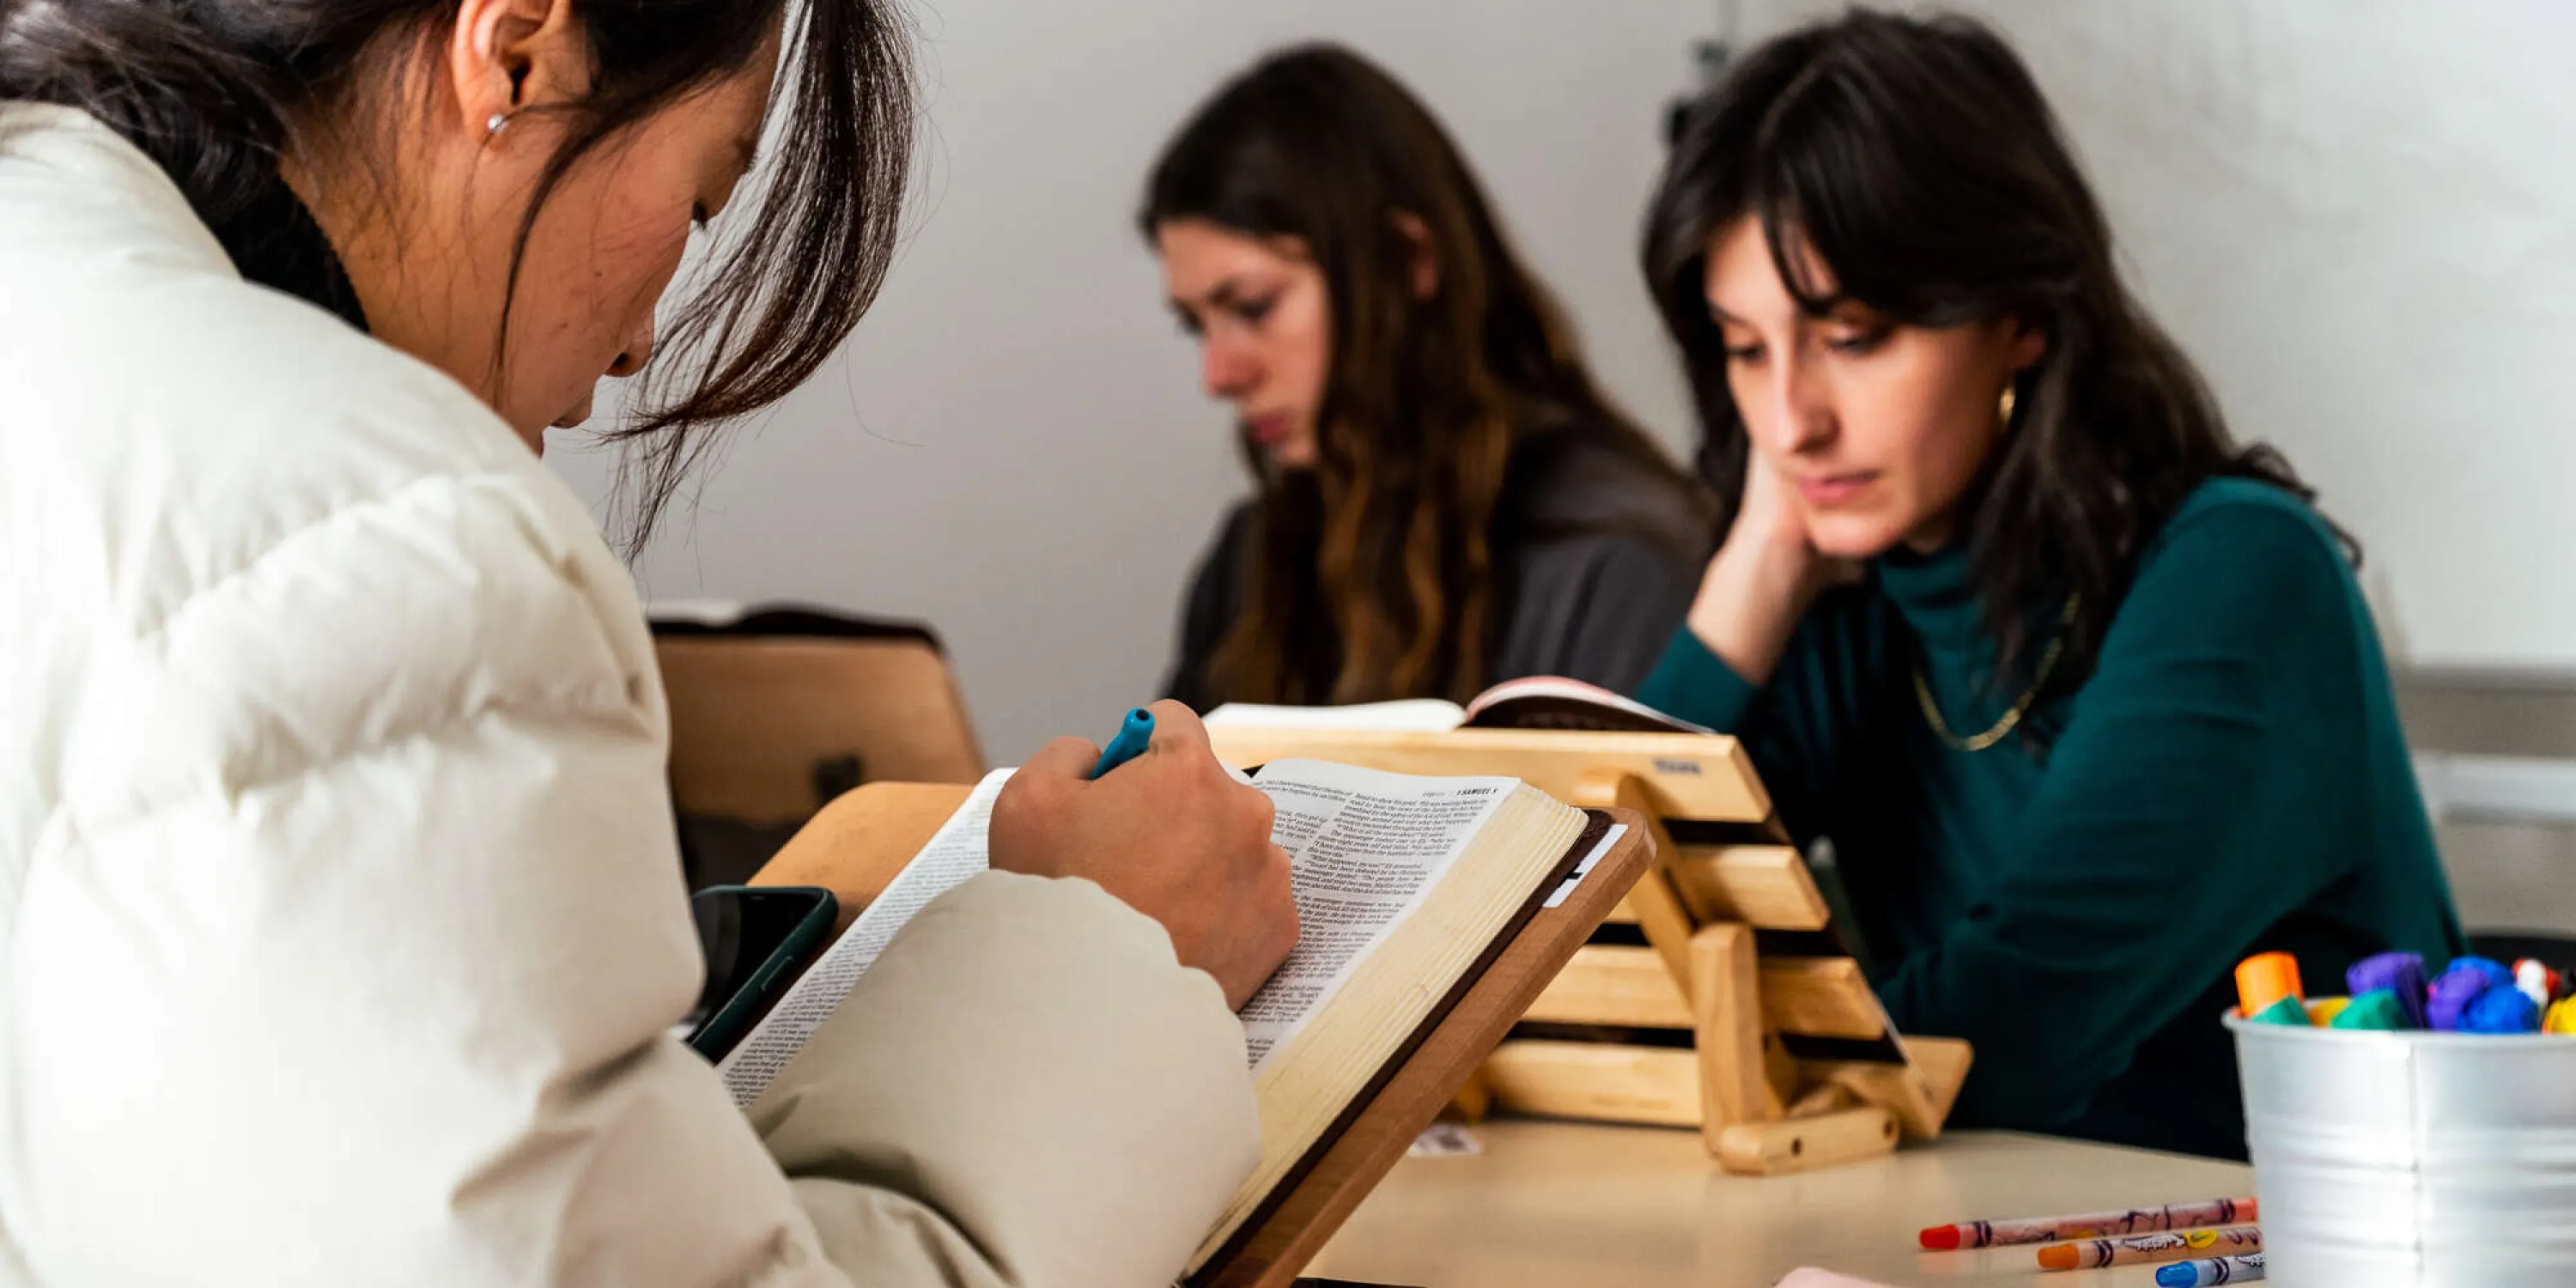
<point>2230,779</point>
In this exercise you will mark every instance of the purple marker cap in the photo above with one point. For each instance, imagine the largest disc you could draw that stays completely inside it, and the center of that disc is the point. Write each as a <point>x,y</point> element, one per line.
<point>2501,1010</point>
<point>2456,989</point>
<point>2399,973</point>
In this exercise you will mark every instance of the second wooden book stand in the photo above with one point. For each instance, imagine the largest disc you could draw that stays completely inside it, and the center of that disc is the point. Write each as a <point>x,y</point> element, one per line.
<point>1720,998</point>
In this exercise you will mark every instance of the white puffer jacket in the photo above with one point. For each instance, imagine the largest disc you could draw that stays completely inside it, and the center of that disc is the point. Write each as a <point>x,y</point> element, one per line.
<point>340,919</point>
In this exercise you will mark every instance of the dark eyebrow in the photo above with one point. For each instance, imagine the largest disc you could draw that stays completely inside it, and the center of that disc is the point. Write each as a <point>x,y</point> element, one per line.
<point>1222,295</point>
<point>1823,312</point>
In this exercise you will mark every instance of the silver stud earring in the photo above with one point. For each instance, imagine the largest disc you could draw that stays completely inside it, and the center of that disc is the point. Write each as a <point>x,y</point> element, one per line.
<point>500,121</point>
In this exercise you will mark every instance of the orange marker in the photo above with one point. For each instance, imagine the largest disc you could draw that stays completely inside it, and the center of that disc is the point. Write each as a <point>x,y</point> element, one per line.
<point>2148,1249</point>
<point>2264,979</point>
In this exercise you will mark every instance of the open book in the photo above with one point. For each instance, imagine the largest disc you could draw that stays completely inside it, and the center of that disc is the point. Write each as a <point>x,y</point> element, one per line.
<point>1406,887</point>
<point>1537,702</point>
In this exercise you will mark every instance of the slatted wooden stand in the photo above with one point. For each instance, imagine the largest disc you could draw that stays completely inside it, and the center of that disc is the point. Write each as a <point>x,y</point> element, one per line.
<point>1739,1013</point>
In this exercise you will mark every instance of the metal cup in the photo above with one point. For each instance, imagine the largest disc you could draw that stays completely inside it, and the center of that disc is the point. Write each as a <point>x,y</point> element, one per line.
<point>2430,1160</point>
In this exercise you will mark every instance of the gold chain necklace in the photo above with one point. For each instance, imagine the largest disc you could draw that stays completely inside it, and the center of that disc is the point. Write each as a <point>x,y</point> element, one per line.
<point>2012,717</point>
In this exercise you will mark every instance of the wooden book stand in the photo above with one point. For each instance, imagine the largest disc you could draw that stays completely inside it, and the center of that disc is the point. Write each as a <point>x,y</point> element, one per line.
<point>1726,1002</point>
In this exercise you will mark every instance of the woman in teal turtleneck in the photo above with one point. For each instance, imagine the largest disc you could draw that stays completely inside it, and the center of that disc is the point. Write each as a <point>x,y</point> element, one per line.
<point>2084,693</point>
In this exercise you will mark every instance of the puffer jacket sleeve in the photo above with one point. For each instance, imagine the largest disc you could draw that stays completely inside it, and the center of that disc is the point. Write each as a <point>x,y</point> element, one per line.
<point>350,954</point>
<point>1022,1090</point>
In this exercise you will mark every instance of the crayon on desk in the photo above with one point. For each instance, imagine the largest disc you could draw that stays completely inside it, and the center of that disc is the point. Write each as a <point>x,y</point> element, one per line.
<point>2087,1225</point>
<point>2147,1249</point>
<point>2216,1270</point>
<point>1133,737</point>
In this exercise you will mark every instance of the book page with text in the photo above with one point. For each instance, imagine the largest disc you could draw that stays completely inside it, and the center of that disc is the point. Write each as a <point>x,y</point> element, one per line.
<point>959,851</point>
<point>1366,846</point>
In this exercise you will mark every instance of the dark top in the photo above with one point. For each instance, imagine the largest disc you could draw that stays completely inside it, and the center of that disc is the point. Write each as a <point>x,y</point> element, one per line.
<point>2231,779</point>
<point>1596,557</point>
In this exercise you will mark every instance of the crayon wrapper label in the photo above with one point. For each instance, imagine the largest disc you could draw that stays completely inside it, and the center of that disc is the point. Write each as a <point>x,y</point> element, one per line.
<point>2143,1243</point>
<point>2200,1238</point>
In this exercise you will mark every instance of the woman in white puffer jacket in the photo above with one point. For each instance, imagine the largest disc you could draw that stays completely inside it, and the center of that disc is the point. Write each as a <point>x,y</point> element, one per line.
<point>340,918</point>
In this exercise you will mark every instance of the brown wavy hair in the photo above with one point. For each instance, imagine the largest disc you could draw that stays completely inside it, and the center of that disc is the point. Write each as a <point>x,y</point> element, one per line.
<point>1374,573</point>
<point>1918,161</point>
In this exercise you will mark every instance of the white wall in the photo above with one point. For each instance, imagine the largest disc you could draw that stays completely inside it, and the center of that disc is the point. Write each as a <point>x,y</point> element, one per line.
<point>2360,218</point>
<point>1013,447</point>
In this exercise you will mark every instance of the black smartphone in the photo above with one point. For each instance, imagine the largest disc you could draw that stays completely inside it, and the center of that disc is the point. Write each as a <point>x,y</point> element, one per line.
<point>756,939</point>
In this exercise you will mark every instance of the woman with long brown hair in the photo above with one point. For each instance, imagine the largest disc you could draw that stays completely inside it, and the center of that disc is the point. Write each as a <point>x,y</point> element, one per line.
<point>1445,499</point>
<point>2083,691</point>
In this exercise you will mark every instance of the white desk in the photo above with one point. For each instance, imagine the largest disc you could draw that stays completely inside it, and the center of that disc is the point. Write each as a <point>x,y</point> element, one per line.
<point>1609,1207</point>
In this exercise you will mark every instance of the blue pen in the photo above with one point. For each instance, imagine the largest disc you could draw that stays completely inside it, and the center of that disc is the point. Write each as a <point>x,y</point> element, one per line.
<point>1129,744</point>
<point>2212,1270</point>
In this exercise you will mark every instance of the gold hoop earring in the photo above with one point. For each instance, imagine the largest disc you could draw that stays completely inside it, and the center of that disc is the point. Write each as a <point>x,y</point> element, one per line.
<point>2005,406</point>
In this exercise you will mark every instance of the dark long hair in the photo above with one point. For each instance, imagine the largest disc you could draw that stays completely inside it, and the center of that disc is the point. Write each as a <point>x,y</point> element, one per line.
<point>217,91</point>
<point>1374,573</point>
<point>1918,162</point>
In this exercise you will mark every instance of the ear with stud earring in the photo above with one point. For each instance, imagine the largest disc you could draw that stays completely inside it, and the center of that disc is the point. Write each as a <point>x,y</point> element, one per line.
<point>492,128</point>
<point>2004,407</point>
